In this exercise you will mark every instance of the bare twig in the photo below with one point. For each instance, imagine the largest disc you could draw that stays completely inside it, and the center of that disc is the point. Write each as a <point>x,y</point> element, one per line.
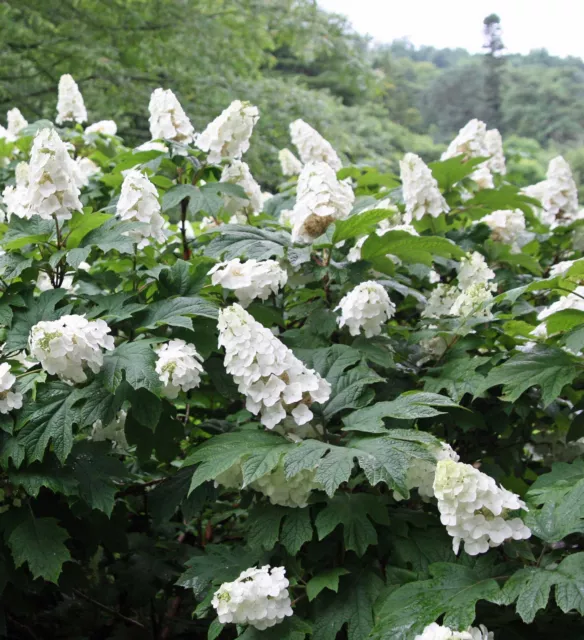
<point>113,612</point>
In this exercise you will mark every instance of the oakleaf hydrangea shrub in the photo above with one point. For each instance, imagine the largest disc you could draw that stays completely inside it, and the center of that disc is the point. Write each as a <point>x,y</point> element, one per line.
<point>349,409</point>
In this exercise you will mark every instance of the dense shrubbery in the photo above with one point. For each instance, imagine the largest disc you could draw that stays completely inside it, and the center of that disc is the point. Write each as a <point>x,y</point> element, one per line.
<point>348,410</point>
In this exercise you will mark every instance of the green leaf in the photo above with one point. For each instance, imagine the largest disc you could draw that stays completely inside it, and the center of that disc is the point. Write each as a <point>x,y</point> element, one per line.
<point>177,312</point>
<point>354,512</point>
<point>50,418</point>
<point>114,307</point>
<point>12,265</point>
<point>81,224</point>
<point>564,321</point>
<point>453,591</point>
<point>349,386</point>
<point>97,472</point>
<point>449,172</point>
<point>360,224</point>
<point>49,474</point>
<point>409,248</point>
<point>184,278</point>
<point>408,406</point>
<point>548,367</point>
<point>352,606</point>
<point>223,451</point>
<point>22,232</point>
<point>133,361</point>
<point>37,309</point>
<point>264,526</point>
<point>177,194</point>
<point>220,563</point>
<point>326,580</point>
<point>561,492</point>
<point>458,376</point>
<point>382,459</point>
<point>296,530</point>
<point>39,543</point>
<point>238,241</point>
<point>112,235</point>
<point>99,403</point>
<point>531,587</point>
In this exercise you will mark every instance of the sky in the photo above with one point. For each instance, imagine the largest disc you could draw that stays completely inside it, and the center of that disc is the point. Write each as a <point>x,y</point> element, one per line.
<point>555,25</point>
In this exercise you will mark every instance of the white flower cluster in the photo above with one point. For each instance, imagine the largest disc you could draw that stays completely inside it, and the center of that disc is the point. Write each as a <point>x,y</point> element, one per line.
<point>494,145</point>
<point>178,367</point>
<point>8,399</point>
<point>395,223</point>
<point>168,121</point>
<point>16,197</point>
<point>290,164</point>
<point>251,279</point>
<point>435,631</point>
<point>312,147</point>
<point>474,141</point>
<point>560,268</point>
<point>153,145</point>
<point>259,597</point>
<point>16,123</point>
<point>85,169</point>
<point>366,308</point>
<point>473,269</point>
<point>507,226</point>
<point>53,179</point>
<point>421,472</point>
<point>139,202</point>
<point>114,432</point>
<point>105,127</point>
<point>470,142</point>
<point>238,173</point>
<point>475,509</point>
<point>320,199</point>
<point>573,300</point>
<point>420,189</point>
<point>471,296</point>
<point>558,194</point>
<point>275,382</point>
<point>65,346</point>
<point>287,492</point>
<point>227,137</point>
<point>70,105</point>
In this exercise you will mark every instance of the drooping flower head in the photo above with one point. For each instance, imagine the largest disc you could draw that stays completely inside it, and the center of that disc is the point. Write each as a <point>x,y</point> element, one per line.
<point>365,309</point>
<point>178,367</point>
<point>8,399</point>
<point>494,145</point>
<point>420,189</point>
<point>53,178</point>
<point>475,509</point>
<point>139,202</point>
<point>507,226</point>
<point>16,122</point>
<point>470,142</point>
<point>114,432</point>
<point>320,199</point>
<point>275,382</point>
<point>289,163</point>
<point>66,346</point>
<point>70,105</point>
<point>227,137</point>
<point>168,121</point>
<point>16,197</point>
<point>251,279</point>
<point>473,269</point>
<point>259,598</point>
<point>312,147</point>
<point>105,127</point>
<point>435,631</point>
<point>86,168</point>
<point>238,173</point>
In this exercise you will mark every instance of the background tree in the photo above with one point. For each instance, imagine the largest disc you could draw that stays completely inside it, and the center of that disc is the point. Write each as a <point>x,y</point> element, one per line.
<point>494,62</point>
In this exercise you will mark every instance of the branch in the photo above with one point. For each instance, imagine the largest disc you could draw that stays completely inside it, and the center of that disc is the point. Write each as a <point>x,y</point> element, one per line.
<point>113,612</point>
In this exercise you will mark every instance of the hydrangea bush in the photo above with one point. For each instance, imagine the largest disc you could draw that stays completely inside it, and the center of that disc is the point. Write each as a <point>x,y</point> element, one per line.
<point>348,410</point>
